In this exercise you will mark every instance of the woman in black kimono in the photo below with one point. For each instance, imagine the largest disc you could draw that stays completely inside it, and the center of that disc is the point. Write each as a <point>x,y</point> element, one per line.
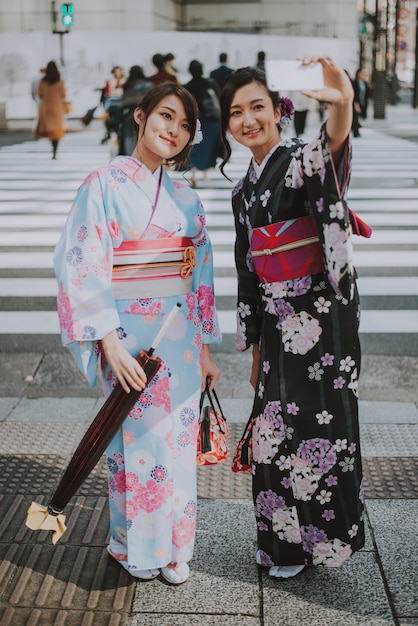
<point>299,311</point>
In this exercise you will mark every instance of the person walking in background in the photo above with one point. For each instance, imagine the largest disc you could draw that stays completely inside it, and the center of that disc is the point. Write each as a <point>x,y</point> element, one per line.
<point>206,92</point>
<point>302,105</point>
<point>221,73</point>
<point>135,87</point>
<point>51,94</point>
<point>114,86</point>
<point>161,75</point>
<point>292,307</point>
<point>170,65</point>
<point>361,93</point>
<point>261,61</point>
<point>111,100</point>
<point>111,306</point>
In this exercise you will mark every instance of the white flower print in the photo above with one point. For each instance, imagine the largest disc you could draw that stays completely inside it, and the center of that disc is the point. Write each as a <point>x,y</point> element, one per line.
<point>324,496</point>
<point>286,524</point>
<point>244,309</point>
<point>289,430</point>
<point>260,390</point>
<point>331,553</point>
<point>315,371</point>
<point>353,385</point>
<point>265,197</point>
<point>324,417</point>
<point>346,364</point>
<point>336,210</point>
<point>348,464</point>
<point>340,444</point>
<point>353,531</point>
<point>322,305</point>
<point>300,333</point>
<point>283,463</point>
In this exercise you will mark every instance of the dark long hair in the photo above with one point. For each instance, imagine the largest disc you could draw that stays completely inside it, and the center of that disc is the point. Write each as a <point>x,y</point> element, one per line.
<point>52,74</point>
<point>153,98</point>
<point>236,80</point>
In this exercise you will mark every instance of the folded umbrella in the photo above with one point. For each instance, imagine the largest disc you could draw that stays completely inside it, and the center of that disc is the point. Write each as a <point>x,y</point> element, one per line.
<point>95,441</point>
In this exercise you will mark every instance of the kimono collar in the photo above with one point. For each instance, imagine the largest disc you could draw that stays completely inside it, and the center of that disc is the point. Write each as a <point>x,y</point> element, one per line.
<point>258,169</point>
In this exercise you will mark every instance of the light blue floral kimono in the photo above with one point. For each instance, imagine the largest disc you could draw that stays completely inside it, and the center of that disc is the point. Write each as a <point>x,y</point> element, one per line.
<point>152,460</point>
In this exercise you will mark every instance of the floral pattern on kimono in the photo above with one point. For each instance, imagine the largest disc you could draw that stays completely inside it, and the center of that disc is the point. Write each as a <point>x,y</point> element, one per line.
<point>307,474</point>
<point>151,461</point>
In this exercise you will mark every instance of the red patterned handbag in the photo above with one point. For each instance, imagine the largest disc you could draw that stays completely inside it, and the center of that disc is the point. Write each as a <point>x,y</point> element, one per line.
<point>213,438</point>
<point>241,463</point>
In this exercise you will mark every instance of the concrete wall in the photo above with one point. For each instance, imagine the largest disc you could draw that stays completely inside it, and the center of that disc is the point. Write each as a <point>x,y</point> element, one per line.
<point>89,57</point>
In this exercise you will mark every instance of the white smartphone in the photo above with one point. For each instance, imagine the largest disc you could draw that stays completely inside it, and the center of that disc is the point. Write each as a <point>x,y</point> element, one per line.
<point>293,76</point>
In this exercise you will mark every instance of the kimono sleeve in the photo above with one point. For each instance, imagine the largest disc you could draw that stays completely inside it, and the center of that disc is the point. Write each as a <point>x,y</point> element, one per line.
<point>249,311</point>
<point>327,188</point>
<point>83,267</point>
<point>203,283</point>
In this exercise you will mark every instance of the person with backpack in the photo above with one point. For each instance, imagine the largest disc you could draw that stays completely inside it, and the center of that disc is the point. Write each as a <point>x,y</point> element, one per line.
<point>206,92</point>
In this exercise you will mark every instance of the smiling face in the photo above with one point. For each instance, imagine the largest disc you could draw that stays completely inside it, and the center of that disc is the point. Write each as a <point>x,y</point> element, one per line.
<point>253,119</point>
<point>163,134</point>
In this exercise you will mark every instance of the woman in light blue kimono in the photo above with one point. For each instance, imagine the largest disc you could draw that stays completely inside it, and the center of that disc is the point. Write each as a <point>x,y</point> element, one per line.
<point>134,245</point>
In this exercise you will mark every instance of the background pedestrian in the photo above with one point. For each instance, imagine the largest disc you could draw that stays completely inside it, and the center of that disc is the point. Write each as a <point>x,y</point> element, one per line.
<point>51,94</point>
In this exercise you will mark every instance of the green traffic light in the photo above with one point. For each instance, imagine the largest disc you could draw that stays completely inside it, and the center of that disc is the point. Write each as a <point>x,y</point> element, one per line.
<point>67,14</point>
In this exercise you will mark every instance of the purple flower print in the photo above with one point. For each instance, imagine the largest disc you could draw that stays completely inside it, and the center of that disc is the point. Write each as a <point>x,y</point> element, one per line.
<point>283,310</point>
<point>352,448</point>
<point>74,256</point>
<point>331,480</point>
<point>266,367</point>
<point>263,559</point>
<point>311,536</point>
<point>339,382</point>
<point>238,187</point>
<point>262,526</point>
<point>327,359</point>
<point>328,515</point>
<point>292,408</point>
<point>286,482</point>
<point>267,502</point>
<point>319,453</point>
<point>361,492</point>
<point>252,175</point>
<point>320,205</point>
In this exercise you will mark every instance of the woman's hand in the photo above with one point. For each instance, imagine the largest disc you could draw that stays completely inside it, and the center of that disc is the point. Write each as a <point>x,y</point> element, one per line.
<point>126,369</point>
<point>338,91</point>
<point>209,368</point>
<point>255,366</point>
<point>337,84</point>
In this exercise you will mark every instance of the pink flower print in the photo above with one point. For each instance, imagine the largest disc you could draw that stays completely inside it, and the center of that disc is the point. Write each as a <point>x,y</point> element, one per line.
<point>150,497</point>
<point>99,231</point>
<point>120,481</point>
<point>131,481</point>
<point>160,393</point>
<point>324,417</point>
<point>331,480</point>
<point>128,438</point>
<point>131,510</point>
<point>327,359</point>
<point>65,311</point>
<point>183,531</point>
<point>159,473</point>
<point>339,382</point>
<point>334,235</point>
<point>183,439</point>
<point>322,305</point>
<point>320,205</point>
<point>328,515</point>
<point>292,408</point>
<point>206,301</point>
<point>190,509</point>
<point>191,304</point>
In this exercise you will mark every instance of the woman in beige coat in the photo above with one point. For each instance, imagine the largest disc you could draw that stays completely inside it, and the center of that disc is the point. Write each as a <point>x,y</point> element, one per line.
<point>51,94</point>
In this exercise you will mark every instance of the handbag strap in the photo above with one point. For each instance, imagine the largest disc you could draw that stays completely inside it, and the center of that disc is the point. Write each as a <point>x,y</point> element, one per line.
<point>207,392</point>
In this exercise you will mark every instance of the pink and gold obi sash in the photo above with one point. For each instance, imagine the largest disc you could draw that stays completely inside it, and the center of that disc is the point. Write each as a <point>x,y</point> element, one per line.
<point>153,268</point>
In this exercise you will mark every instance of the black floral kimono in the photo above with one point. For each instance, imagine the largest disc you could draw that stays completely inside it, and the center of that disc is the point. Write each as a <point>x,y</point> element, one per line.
<point>306,464</point>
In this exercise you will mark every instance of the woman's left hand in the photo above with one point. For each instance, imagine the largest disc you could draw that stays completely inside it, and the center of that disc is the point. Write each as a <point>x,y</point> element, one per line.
<point>337,84</point>
<point>209,368</point>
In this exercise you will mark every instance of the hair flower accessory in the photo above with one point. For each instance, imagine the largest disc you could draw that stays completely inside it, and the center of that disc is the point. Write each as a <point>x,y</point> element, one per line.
<point>198,136</point>
<point>287,110</point>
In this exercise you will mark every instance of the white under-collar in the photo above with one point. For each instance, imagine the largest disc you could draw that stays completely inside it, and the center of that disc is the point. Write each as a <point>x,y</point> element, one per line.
<point>258,169</point>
